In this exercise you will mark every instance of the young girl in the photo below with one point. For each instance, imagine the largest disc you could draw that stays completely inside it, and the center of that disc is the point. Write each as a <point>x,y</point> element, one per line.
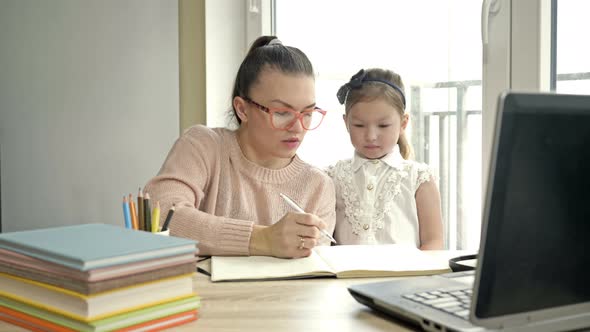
<point>381,196</point>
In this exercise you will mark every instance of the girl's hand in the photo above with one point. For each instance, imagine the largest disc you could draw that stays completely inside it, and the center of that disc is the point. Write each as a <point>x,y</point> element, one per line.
<point>291,237</point>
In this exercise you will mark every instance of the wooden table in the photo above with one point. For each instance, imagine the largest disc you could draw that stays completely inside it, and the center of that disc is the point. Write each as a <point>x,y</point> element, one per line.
<point>289,305</point>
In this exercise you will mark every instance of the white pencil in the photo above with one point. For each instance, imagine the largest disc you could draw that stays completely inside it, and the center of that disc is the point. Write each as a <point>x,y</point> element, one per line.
<point>300,210</point>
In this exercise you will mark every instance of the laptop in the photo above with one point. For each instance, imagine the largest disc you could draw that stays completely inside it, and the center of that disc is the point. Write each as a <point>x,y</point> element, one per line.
<point>533,268</point>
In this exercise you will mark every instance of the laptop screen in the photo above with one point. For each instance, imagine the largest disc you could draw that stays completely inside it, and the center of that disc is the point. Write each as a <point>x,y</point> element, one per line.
<point>537,241</point>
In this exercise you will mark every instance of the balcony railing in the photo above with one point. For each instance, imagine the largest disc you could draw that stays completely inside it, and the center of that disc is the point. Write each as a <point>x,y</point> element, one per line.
<point>449,147</point>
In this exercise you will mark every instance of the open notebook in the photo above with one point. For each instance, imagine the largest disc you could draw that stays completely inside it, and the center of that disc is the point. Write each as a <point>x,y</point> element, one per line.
<point>346,261</point>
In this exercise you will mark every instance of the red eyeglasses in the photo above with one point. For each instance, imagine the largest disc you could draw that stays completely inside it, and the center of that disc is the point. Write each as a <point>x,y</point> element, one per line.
<point>285,118</point>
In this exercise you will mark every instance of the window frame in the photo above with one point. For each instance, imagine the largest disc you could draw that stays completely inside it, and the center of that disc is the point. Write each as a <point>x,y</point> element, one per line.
<point>517,43</point>
<point>518,50</point>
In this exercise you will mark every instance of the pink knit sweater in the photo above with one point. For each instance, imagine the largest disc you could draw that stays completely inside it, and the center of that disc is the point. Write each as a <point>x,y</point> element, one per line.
<point>220,195</point>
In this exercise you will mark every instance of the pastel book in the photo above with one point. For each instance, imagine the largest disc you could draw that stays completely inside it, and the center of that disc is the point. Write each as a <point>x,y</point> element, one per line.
<point>96,280</point>
<point>94,246</point>
<point>93,307</point>
<point>165,315</point>
<point>343,261</point>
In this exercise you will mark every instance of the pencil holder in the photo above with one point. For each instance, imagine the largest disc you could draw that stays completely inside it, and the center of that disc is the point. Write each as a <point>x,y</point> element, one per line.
<point>164,233</point>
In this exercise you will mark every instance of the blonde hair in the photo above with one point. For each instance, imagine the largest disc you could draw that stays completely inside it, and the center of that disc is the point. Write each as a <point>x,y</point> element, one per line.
<point>373,88</point>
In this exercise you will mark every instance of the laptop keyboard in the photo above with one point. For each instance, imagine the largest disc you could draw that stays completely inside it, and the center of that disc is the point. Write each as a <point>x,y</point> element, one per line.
<point>455,302</point>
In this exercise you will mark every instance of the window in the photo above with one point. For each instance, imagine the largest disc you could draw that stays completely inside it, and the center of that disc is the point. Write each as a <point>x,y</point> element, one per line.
<point>572,51</point>
<point>436,47</point>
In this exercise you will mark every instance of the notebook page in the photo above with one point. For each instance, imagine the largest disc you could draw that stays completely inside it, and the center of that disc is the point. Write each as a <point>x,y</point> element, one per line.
<point>381,260</point>
<point>264,267</point>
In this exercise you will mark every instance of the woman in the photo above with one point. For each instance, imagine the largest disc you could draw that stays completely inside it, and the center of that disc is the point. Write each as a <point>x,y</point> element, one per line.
<point>226,185</point>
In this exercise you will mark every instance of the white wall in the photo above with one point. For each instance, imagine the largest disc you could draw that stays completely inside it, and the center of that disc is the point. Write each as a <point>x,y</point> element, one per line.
<point>88,106</point>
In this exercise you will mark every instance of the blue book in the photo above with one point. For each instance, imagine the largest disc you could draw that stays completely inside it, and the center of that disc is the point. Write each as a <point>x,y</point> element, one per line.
<point>90,246</point>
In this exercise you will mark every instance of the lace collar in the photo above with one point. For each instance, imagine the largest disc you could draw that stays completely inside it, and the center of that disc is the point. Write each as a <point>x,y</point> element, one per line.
<point>393,159</point>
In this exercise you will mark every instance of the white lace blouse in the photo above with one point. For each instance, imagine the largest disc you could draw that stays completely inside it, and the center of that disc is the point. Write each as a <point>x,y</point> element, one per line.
<point>375,199</point>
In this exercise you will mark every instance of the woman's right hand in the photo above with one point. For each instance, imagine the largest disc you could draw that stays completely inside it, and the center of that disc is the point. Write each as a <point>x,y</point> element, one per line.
<point>291,237</point>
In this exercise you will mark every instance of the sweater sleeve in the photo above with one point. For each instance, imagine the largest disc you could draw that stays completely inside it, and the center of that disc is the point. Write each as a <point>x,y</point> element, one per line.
<point>326,203</point>
<point>183,180</point>
<point>328,211</point>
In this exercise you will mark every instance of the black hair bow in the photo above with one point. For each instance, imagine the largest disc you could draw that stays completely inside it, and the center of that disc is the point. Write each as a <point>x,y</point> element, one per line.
<point>356,81</point>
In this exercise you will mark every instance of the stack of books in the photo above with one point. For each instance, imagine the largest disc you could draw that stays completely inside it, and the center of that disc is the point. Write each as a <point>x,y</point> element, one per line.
<point>96,277</point>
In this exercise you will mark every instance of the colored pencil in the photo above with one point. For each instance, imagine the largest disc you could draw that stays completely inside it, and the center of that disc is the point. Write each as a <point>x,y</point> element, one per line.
<point>156,217</point>
<point>168,218</point>
<point>126,213</point>
<point>140,210</point>
<point>147,215</point>
<point>134,222</point>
